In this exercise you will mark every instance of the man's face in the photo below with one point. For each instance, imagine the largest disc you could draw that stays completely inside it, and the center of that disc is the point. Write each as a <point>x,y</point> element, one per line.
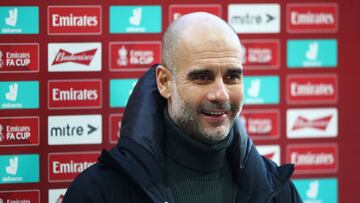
<point>207,91</point>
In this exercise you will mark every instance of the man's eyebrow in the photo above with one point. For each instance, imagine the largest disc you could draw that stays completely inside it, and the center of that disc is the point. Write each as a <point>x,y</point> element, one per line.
<point>235,71</point>
<point>197,73</point>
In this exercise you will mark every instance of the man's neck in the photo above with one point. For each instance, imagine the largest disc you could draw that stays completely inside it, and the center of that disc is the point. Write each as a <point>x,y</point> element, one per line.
<point>191,153</point>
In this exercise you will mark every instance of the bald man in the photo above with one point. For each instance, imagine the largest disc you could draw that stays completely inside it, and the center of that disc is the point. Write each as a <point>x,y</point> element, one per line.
<point>181,138</point>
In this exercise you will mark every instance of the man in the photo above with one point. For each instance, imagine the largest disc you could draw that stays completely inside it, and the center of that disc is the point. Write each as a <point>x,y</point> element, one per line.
<point>181,138</point>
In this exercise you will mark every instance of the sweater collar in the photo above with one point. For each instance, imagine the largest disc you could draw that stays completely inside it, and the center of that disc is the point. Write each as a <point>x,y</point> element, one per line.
<point>191,153</point>
<point>139,153</point>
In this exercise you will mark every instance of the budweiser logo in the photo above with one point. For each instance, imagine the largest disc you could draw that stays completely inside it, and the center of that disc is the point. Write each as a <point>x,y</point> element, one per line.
<point>60,199</point>
<point>269,155</point>
<point>271,152</point>
<point>84,57</point>
<point>320,123</point>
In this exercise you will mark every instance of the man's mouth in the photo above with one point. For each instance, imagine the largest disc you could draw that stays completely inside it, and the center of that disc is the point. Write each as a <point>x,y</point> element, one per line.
<point>214,113</point>
<point>215,117</point>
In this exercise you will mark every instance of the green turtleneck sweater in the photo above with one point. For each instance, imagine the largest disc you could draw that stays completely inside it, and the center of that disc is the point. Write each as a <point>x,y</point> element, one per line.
<point>196,171</point>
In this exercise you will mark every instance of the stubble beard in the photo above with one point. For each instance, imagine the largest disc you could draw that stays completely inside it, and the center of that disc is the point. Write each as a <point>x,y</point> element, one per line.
<point>185,117</point>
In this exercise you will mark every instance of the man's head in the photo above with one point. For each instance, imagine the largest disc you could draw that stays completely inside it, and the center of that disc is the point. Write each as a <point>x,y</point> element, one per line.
<point>201,75</point>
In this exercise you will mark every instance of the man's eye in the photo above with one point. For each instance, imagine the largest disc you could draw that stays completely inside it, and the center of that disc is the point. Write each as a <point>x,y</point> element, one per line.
<point>202,77</point>
<point>234,78</point>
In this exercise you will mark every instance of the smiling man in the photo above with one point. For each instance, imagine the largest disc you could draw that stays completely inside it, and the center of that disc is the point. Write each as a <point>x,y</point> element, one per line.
<point>181,138</point>
<point>201,76</point>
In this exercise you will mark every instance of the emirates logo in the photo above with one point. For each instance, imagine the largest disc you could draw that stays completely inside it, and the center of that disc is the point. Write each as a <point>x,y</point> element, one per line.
<point>84,57</point>
<point>320,123</point>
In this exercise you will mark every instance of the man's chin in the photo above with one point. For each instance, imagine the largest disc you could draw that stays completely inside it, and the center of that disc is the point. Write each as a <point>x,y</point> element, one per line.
<point>218,128</point>
<point>213,135</point>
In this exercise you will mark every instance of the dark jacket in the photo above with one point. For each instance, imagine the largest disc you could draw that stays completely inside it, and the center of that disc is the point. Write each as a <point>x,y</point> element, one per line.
<point>133,171</point>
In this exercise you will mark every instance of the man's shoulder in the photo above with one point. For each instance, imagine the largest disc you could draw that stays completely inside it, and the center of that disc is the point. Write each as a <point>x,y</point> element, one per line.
<point>91,184</point>
<point>99,174</point>
<point>99,183</point>
<point>287,191</point>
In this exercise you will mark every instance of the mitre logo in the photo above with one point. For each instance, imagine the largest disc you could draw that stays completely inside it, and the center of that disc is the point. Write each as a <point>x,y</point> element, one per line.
<point>320,123</point>
<point>19,131</point>
<point>262,124</point>
<point>70,57</point>
<point>20,196</point>
<point>315,88</point>
<point>73,19</point>
<point>312,17</point>
<point>66,166</point>
<point>314,158</point>
<point>254,18</point>
<point>74,129</point>
<point>134,56</point>
<point>74,94</point>
<point>261,54</point>
<point>312,123</point>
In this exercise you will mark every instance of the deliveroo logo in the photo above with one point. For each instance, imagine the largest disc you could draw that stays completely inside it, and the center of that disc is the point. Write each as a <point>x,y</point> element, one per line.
<point>323,190</point>
<point>120,91</point>
<point>13,92</point>
<point>261,90</point>
<point>12,19</point>
<point>15,168</point>
<point>317,53</point>
<point>313,190</point>
<point>254,89</point>
<point>19,20</point>
<point>312,52</point>
<point>19,94</point>
<point>135,19</point>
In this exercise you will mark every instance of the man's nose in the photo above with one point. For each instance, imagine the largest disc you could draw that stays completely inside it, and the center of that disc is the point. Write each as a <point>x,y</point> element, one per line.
<point>218,92</point>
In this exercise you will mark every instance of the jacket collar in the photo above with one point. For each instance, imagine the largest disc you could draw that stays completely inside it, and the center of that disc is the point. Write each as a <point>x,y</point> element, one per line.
<point>139,151</point>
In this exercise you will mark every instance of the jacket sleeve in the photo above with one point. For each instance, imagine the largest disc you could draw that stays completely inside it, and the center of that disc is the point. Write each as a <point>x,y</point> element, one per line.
<point>288,194</point>
<point>83,190</point>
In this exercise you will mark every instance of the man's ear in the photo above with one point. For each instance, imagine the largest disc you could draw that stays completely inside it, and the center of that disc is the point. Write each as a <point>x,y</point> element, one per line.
<point>163,81</point>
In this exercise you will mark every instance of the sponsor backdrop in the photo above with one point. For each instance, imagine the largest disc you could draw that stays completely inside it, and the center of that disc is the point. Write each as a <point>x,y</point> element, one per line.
<point>67,69</point>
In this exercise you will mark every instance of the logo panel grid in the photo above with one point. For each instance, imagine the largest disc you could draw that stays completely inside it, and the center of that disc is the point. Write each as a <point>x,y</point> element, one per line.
<point>68,56</point>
